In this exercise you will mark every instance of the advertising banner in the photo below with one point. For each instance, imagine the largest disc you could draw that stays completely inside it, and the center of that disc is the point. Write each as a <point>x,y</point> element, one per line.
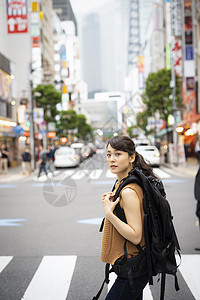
<point>17,16</point>
<point>5,85</point>
<point>176,18</point>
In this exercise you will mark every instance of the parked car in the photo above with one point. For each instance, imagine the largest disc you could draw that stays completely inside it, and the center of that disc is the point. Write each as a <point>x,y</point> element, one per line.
<point>66,157</point>
<point>151,154</point>
<point>81,149</point>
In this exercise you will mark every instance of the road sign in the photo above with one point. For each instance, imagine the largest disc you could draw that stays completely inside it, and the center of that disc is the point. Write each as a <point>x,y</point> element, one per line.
<point>17,16</point>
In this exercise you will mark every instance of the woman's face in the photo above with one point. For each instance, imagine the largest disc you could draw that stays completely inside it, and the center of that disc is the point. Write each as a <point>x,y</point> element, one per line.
<point>119,162</point>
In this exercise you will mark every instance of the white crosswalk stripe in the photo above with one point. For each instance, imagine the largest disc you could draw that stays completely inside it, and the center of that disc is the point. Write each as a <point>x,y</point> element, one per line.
<point>53,276</point>
<point>160,173</point>
<point>4,261</point>
<point>147,295</point>
<point>92,174</point>
<point>190,270</point>
<point>52,279</point>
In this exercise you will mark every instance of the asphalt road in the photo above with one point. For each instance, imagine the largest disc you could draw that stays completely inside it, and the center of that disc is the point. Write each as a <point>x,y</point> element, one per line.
<point>50,244</point>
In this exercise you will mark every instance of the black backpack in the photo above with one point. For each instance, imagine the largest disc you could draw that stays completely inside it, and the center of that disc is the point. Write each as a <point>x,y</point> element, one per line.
<point>161,242</point>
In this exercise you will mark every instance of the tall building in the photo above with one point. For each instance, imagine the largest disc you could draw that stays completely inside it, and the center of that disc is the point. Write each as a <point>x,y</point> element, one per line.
<point>104,39</point>
<point>64,11</point>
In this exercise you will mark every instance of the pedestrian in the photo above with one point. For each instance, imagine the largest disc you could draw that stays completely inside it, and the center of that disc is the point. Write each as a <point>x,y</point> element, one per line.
<point>121,159</point>
<point>197,150</point>
<point>42,161</point>
<point>197,197</point>
<point>26,162</point>
<point>51,158</point>
<point>4,159</point>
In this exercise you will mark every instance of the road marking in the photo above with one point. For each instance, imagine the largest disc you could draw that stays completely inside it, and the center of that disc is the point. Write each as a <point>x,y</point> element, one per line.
<point>4,261</point>
<point>80,174</point>
<point>5,186</point>
<point>11,222</point>
<point>109,174</point>
<point>190,271</point>
<point>102,182</point>
<point>52,279</point>
<point>94,221</point>
<point>95,174</point>
<point>147,295</point>
<point>160,173</point>
<point>173,180</point>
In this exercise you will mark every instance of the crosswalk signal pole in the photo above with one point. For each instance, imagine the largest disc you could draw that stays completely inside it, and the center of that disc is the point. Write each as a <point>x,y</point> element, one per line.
<point>32,129</point>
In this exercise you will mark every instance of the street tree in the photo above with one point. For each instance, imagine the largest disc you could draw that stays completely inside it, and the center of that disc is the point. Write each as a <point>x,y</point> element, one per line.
<point>46,96</point>
<point>70,121</point>
<point>157,94</point>
<point>85,131</point>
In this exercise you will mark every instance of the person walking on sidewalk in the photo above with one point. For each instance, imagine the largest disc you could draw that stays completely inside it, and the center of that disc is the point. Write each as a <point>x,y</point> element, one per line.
<point>4,159</point>
<point>26,162</point>
<point>51,158</point>
<point>121,159</point>
<point>42,161</point>
<point>197,197</point>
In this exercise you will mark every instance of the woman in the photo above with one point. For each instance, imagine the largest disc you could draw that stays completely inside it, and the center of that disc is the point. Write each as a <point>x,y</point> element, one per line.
<point>121,159</point>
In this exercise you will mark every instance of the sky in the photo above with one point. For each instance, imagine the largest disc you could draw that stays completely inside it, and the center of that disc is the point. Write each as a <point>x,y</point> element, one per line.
<point>84,6</point>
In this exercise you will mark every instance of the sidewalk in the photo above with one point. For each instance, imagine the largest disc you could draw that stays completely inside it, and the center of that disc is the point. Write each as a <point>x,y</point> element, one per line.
<point>189,168</point>
<point>15,173</point>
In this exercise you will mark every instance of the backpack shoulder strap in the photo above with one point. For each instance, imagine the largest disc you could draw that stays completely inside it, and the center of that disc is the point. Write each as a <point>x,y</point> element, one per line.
<point>119,212</point>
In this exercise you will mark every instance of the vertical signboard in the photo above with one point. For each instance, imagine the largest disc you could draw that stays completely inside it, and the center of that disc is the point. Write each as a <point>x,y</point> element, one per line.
<point>189,93</point>
<point>17,16</point>
<point>176,23</point>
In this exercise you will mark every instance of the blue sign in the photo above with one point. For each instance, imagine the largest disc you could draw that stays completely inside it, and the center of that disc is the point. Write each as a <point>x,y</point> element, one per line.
<point>189,53</point>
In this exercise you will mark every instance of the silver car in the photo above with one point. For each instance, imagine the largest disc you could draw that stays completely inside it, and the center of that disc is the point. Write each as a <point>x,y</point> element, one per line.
<point>66,157</point>
<point>150,154</point>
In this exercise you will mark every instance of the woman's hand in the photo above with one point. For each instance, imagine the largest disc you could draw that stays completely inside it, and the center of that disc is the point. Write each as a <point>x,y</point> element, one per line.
<point>108,204</point>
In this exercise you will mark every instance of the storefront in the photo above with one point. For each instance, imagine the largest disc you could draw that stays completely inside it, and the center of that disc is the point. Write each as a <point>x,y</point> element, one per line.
<point>7,116</point>
<point>188,133</point>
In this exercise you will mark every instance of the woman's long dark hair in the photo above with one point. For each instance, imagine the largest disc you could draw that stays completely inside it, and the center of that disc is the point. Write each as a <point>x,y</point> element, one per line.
<point>124,143</point>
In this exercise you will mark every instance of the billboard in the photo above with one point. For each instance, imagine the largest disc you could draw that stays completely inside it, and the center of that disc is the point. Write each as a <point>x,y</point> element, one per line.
<point>17,16</point>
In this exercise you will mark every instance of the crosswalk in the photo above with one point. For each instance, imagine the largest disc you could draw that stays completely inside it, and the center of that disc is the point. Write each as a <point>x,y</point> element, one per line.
<point>91,174</point>
<point>54,274</point>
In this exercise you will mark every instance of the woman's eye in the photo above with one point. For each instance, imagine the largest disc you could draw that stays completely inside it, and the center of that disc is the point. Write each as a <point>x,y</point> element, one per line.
<point>108,155</point>
<point>118,154</point>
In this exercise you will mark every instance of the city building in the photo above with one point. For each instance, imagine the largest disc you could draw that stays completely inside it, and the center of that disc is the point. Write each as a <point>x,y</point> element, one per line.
<point>104,42</point>
<point>104,112</point>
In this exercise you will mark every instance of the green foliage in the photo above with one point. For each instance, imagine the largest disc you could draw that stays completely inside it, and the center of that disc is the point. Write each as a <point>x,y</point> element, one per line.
<point>69,120</point>
<point>46,96</point>
<point>85,131</point>
<point>157,93</point>
<point>130,130</point>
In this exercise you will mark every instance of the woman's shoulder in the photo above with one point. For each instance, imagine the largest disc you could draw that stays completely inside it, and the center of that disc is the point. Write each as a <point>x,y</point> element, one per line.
<point>132,187</point>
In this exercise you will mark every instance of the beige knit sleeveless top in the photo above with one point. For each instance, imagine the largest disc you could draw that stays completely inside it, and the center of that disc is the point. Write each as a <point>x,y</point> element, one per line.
<point>112,246</point>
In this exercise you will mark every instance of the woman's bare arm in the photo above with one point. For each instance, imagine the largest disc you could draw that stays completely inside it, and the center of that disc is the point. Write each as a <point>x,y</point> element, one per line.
<point>131,231</point>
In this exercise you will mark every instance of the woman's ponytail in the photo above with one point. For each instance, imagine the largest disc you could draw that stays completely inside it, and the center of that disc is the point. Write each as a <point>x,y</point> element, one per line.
<point>140,163</point>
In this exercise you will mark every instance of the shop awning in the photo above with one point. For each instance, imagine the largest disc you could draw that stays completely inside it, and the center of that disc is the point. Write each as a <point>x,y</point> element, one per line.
<point>9,134</point>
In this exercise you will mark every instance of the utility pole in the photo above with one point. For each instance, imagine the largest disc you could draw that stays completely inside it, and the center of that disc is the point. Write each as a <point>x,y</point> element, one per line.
<point>32,129</point>
<point>174,107</point>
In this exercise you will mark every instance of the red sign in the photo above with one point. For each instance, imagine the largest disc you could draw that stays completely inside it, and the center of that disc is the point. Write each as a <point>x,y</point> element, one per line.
<point>51,134</point>
<point>17,16</point>
<point>64,140</point>
<point>35,42</point>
